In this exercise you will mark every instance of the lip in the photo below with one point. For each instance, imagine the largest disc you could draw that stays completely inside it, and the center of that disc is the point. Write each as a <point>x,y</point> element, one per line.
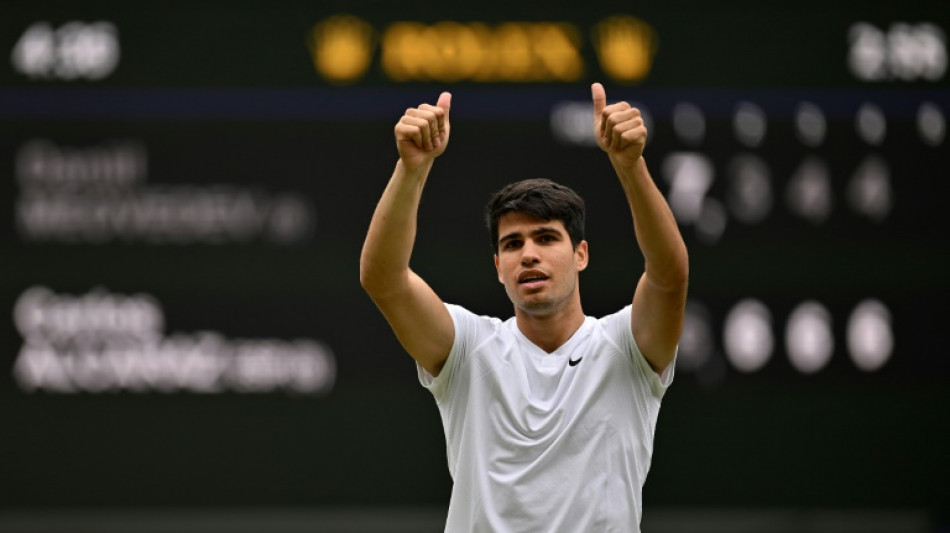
<point>532,286</point>
<point>536,277</point>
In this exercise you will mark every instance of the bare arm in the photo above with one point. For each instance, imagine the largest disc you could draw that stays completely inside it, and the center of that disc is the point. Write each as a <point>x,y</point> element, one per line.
<point>414,311</point>
<point>659,301</point>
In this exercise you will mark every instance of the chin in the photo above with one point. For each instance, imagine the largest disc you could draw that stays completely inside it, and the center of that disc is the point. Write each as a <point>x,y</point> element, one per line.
<point>537,307</point>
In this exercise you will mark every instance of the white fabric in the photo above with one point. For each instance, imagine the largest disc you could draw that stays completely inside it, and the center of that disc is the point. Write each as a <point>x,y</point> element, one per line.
<point>535,444</point>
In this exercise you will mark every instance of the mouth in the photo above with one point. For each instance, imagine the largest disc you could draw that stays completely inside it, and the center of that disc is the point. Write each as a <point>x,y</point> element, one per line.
<point>531,277</point>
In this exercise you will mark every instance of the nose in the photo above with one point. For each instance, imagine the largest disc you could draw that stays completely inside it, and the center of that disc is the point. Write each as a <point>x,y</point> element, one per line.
<point>529,254</point>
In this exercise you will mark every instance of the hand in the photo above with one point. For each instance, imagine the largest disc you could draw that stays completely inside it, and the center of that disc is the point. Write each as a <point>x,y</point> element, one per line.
<point>423,132</point>
<point>618,128</point>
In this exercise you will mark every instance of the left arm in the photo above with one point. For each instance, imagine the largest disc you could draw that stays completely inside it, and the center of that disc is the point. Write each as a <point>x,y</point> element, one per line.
<point>659,302</point>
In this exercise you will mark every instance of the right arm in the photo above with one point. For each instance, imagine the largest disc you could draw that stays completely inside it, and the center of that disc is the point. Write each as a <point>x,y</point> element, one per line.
<point>414,311</point>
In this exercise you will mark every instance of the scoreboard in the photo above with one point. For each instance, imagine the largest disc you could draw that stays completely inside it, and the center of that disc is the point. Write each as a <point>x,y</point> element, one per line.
<point>185,188</point>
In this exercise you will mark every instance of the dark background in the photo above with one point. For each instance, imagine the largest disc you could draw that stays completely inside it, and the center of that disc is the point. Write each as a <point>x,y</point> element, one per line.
<point>226,93</point>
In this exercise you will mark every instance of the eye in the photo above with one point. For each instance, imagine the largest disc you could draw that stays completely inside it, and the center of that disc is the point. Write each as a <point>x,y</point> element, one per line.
<point>547,237</point>
<point>511,244</point>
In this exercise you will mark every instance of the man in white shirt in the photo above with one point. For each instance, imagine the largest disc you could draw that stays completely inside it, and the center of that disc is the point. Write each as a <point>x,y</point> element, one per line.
<point>549,416</point>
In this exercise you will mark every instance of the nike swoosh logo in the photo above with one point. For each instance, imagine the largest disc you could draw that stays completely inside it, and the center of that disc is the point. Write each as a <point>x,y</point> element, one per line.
<point>574,362</point>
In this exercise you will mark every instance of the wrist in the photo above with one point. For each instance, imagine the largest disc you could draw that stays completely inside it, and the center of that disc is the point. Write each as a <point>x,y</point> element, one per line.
<point>626,168</point>
<point>415,168</point>
<point>414,175</point>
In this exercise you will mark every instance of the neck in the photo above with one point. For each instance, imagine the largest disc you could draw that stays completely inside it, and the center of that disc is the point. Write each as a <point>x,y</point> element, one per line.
<point>550,331</point>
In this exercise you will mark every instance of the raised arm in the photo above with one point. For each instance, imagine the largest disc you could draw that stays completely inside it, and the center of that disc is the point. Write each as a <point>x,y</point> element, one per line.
<point>659,301</point>
<point>416,314</point>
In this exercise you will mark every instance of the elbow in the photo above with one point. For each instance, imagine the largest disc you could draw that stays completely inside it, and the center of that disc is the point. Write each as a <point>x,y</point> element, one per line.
<point>373,287</point>
<point>368,280</point>
<point>673,274</point>
<point>681,268</point>
<point>676,279</point>
<point>365,281</point>
<point>378,284</point>
<point>679,272</point>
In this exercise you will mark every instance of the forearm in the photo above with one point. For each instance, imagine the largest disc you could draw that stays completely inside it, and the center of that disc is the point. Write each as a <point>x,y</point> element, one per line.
<point>384,262</point>
<point>658,236</point>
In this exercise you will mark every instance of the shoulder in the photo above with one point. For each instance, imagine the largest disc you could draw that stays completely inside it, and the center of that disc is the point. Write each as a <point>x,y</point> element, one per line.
<point>470,327</point>
<point>471,332</point>
<point>464,316</point>
<point>616,327</point>
<point>456,309</point>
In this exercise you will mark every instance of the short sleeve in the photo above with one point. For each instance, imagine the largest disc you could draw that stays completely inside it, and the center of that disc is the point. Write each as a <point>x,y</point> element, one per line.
<point>618,326</point>
<point>463,321</point>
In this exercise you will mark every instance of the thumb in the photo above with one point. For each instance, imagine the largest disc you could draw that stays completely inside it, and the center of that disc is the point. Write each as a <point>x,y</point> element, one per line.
<point>445,102</point>
<point>599,96</point>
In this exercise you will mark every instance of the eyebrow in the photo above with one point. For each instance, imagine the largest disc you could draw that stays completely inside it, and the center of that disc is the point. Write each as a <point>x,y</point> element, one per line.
<point>540,231</point>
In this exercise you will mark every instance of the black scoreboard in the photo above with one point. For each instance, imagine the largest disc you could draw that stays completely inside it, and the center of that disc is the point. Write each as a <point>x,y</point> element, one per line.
<point>185,189</point>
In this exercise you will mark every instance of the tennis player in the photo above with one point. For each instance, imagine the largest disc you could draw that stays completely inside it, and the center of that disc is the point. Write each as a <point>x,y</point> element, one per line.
<point>549,415</point>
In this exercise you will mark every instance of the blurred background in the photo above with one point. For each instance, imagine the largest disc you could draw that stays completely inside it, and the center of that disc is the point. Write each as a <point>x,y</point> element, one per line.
<point>185,187</point>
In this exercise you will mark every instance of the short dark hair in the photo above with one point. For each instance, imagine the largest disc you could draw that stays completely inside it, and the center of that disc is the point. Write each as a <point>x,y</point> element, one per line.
<point>542,198</point>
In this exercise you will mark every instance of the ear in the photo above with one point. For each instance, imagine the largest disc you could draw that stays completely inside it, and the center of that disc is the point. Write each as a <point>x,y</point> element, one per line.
<point>581,256</point>
<point>498,270</point>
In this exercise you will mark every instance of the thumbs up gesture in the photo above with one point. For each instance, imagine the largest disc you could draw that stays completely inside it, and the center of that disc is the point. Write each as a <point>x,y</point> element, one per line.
<point>618,128</point>
<point>422,133</point>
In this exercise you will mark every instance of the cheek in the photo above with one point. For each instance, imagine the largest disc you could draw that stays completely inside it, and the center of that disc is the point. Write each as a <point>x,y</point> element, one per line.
<point>503,269</point>
<point>567,262</point>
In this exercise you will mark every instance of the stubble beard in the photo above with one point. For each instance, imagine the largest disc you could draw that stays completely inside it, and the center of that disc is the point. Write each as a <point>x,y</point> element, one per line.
<point>542,304</point>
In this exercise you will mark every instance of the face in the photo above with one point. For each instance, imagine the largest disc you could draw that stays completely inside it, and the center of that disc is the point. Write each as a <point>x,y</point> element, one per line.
<point>537,263</point>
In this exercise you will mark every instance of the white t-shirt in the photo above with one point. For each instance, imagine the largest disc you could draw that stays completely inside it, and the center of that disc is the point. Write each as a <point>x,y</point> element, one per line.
<point>539,441</point>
